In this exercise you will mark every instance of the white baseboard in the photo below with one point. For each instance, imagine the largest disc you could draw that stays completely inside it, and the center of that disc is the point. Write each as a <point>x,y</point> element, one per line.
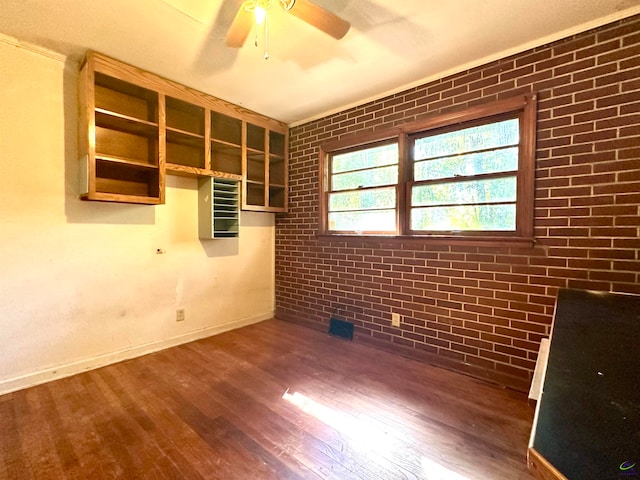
<point>68,369</point>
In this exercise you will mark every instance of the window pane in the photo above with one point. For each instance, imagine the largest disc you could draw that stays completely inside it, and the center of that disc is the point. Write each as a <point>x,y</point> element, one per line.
<point>459,193</point>
<point>464,218</point>
<point>370,157</point>
<point>378,198</point>
<point>494,161</point>
<point>365,178</point>
<point>366,221</point>
<point>493,135</point>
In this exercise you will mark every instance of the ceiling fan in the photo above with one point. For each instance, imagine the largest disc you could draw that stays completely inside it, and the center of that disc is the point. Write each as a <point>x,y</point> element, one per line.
<point>255,11</point>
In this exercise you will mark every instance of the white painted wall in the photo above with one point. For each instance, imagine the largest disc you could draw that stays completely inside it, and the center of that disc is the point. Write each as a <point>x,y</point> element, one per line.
<point>81,284</point>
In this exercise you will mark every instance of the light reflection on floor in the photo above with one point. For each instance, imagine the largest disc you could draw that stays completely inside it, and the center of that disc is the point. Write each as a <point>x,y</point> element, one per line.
<point>364,434</point>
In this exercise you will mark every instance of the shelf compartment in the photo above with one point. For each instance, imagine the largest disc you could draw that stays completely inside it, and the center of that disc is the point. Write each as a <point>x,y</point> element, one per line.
<point>255,194</point>
<point>185,117</point>
<point>123,123</point>
<point>226,157</point>
<point>136,148</point>
<point>277,197</point>
<point>255,137</point>
<point>184,149</point>
<point>276,171</point>
<point>185,155</point>
<point>122,179</point>
<point>276,144</point>
<point>122,97</point>
<point>225,228</point>
<point>255,167</point>
<point>225,128</point>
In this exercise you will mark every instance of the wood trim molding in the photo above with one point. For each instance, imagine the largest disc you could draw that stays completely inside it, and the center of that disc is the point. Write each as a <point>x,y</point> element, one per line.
<point>541,468</point>
<point>56,372</point>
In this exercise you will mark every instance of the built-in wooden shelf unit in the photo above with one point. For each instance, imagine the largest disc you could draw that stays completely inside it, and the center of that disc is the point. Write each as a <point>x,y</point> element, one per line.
<point>136,127</point>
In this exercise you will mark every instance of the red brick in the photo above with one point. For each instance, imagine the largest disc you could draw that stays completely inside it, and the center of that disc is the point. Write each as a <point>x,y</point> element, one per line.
<point>598,49</point>
<point>566,66</point>
<point>620,54</point>
<point>617,31</point>
<point>572,45</point>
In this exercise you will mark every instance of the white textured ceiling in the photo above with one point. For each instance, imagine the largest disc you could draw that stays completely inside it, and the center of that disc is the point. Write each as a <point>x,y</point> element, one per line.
<point>391,44</point>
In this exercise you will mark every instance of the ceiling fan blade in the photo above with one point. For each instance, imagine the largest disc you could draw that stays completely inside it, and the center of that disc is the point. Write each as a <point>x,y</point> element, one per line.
<point>320,18</point>
<point>240,28</point>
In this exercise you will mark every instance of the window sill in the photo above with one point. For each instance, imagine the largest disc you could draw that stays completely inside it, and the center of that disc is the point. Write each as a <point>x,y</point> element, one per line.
<point>474,241</point>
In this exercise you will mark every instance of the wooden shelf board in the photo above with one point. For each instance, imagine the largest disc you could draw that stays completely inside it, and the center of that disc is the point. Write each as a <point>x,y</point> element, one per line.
<point>126,161</point>
<point>113,197</point>
<point>124,123</point>
<point>184,133</point>
<point>173,168</point>
<point>225,143</point>
<point>230,176</point>
<point>184,170</point>
<point>262,208</point>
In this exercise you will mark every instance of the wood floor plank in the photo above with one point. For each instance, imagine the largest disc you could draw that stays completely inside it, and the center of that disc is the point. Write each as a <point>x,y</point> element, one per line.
<point>160,463</point>
<point>269,401</point>
<point>43,451</point>
<point>435,425</point>
<point>13,461</point>
<point>174,439</point>
<point>74,414</point>
<point>256,384</point>
<point>235,405</point>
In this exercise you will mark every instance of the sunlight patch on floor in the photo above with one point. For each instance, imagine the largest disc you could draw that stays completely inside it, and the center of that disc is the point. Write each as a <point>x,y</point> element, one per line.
<point>365,434</point>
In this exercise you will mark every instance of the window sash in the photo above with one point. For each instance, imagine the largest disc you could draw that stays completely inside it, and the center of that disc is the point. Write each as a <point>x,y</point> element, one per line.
<point>357,192</point>
<point>381,215</point>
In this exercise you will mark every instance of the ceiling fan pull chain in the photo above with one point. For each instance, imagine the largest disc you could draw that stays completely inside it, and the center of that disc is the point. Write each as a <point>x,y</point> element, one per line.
<point>266,38</point>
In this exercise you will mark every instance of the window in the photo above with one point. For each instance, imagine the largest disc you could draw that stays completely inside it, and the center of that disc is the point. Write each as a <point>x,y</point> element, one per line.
<point>364,190</point>
<point>466,175</point>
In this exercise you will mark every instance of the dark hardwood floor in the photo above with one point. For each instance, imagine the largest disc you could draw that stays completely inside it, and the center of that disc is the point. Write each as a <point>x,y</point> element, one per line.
<point>269,401</point>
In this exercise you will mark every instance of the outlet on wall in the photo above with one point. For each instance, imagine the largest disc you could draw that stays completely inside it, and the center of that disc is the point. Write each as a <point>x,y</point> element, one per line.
<point>395,319</point>
<point>180,315</point>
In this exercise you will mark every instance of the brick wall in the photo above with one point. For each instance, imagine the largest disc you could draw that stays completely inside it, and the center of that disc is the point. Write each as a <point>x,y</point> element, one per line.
<point>477,309</point>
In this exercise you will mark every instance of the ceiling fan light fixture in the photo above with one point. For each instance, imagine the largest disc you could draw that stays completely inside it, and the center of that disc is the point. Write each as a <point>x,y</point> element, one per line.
<point>260,14</point>
<point>255,13</point>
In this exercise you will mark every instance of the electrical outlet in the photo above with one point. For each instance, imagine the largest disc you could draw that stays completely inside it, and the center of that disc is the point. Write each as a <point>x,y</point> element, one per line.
<point>395,319</point>
<point>180,315</point>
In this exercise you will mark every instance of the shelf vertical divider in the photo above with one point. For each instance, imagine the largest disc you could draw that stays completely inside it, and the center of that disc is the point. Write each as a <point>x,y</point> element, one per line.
<point>162,144</point>
<point>266,168</point>
<point>245,166</point>
<point>208,165</point>
<point>87,132</point>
